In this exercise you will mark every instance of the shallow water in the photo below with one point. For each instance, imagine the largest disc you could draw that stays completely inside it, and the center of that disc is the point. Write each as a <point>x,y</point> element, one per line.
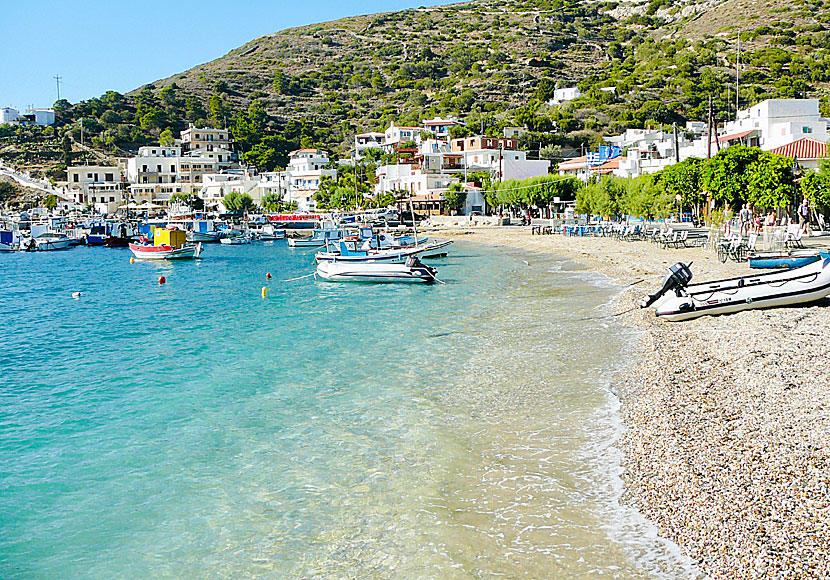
<point>196,430</point>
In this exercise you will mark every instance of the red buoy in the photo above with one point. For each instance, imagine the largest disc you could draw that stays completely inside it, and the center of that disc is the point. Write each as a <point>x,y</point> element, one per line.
<point>268,276</point>
<point>162,280</point>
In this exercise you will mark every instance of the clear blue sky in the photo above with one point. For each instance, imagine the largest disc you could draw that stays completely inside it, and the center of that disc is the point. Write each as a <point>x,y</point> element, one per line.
<point>98,45</point>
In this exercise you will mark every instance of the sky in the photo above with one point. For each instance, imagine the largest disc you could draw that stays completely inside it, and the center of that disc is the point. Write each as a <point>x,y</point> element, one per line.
<point>101,45</point>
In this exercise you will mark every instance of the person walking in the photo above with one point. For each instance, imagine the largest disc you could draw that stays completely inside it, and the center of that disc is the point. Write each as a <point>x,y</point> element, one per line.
<point>804,215</point>
<point>744,217</point>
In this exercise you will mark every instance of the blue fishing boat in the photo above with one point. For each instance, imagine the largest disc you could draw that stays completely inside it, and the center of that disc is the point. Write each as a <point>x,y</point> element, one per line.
<point>767,260</point>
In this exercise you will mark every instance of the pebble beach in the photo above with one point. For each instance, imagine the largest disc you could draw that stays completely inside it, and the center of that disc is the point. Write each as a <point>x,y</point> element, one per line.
<point>727,440</point>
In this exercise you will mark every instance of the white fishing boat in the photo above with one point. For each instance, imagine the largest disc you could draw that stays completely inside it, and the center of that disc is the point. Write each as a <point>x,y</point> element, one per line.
<point>167,245</point>
<point>320,237</point>
<point>236,240</point>
<point>51,241</point>
<point>203,231</point>
<point>269,234</point>
<point>347,251</point>
<point>410,271</point>
<point>779,288</point>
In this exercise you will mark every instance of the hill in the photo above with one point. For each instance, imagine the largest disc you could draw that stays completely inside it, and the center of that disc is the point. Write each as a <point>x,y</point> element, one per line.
<point>491,63</point>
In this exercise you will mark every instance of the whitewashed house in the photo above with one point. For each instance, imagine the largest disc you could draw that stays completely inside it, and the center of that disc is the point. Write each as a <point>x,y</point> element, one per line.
<point>776,122</point>
<point>300,181</point>
<point>7,115</point>
<point>563,95</point>
<point>395,137</point>
<point>97,185</point>
<point>499,156</point>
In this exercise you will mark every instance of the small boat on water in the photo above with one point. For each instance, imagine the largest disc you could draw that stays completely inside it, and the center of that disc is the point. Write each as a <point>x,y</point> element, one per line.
<point>320,237</point>
<point>785,259</point>
<point>167,245</point>
<point>203,231</point>
<point>51,241</point>
<point>236,240</point>
<point>270,234</point>
<point>349,252</point>
<point>8,242</point>
<point>410,271</point>
<point>778,288</point>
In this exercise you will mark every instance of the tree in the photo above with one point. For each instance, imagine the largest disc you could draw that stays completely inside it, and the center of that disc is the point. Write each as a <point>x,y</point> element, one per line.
<point>66,147</point>
<point>235,200</point>
<point>166,138</point>
<point>51,201</point>
<point>770,181</point>
<point>272,202</point>
<point>455,197</point>
<point>191,200</point>
<point>726,175</point>
<point>7,191</point>
<point>218,112</point>
<point>815,186</point>
<point>684,179</point>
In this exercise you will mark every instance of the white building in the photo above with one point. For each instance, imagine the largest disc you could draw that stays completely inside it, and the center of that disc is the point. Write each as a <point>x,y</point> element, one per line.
<point>500,157</point>
<point>563,95</point>
<point>364,141</point>
<point>96,185</point>
<point>395,137</point>
<point>44,117</point>
<point>299,182</point>
<point>440,127</point>
<point>776,122</point>
<point>7,115</point>
<point>155,174</point>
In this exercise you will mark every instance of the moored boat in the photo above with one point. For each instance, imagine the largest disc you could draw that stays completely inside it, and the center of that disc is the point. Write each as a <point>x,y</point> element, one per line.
<point>349,252</point>
<point>167,245</point>
<point>778,288</point>
<point>785,259</point>
<point>410,271</point>
<point>51,241</point>
<point>8,242</point>
<point>236,240</point>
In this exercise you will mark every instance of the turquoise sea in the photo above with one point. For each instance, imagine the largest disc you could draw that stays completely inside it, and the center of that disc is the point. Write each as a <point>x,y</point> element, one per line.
<point>197,430</point>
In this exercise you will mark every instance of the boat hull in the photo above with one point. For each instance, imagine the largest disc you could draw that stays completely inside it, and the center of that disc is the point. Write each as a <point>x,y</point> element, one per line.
<point>165,252</point>
<point>374,273</point>
<point>305,243</point>
<point>781,260</point>
<point>390,255</point>
<point>784,288</point>
<point>52,244</point>
<point>204,237</point>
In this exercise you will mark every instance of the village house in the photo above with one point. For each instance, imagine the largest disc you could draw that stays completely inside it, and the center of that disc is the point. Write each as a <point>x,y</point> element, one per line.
<point>97,185</point>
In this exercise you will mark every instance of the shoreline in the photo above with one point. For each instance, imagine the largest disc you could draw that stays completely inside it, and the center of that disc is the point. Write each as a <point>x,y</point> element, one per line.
<point>726,418</point>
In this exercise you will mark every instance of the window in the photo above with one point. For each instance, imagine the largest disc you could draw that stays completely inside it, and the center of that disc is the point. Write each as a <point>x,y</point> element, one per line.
<point>806,129</point>
<point>108,177</point>
<point>112,199</point>
<point>75,178</point>
<point>89,176</point>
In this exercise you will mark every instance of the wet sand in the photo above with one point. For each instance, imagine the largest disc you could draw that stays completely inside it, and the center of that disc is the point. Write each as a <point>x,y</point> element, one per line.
<point>727,442</point>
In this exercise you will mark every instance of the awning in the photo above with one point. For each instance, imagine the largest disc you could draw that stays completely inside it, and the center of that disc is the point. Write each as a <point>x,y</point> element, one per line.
<point>735,136</point>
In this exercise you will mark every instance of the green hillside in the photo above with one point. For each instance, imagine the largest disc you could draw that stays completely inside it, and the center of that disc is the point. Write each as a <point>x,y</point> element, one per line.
<point>491,63</point>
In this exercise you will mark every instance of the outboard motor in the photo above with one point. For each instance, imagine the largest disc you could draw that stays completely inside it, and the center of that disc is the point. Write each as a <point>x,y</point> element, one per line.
<point>679,277</point>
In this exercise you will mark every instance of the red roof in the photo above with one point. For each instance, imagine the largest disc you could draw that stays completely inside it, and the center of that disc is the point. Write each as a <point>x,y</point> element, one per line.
<point>575,163</point>
<point>804,148</point>
<point>734,136</point>
<point>609,166</point>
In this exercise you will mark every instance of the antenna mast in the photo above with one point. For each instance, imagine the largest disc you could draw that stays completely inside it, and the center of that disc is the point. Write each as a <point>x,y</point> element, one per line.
<point>58,85</point>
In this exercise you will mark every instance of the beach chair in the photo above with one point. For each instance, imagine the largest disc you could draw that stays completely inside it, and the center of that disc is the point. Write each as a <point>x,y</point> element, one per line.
<point>794,235</point>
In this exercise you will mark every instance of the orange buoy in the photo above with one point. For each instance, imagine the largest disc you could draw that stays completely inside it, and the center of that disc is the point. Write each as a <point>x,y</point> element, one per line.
<point>132,260</point>
<point>162,280</point>
<point>268,276</point>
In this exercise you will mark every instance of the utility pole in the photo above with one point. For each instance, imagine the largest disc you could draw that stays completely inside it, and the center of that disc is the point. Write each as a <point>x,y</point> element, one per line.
<point>676,144</point>
<point>58,85</point>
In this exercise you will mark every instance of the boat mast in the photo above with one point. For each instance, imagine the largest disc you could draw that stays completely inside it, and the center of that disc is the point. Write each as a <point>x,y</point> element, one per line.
<point>412,213</point>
